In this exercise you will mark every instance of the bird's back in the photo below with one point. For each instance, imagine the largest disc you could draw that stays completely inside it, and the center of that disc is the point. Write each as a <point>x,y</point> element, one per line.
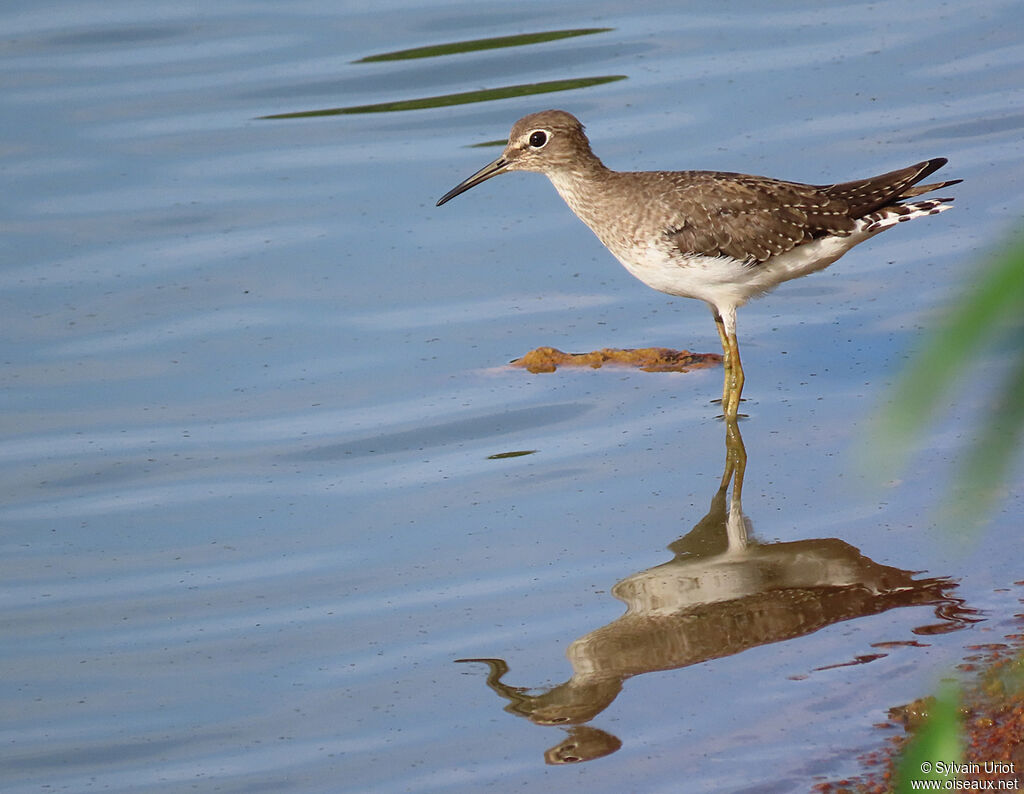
<point>752,218</point>
<point>725,237</point>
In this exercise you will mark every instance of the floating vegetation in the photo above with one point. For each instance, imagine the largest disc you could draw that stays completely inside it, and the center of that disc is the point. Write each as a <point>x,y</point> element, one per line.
<point>475,45</point>
<point>514,454</point>
<point>464,98</point>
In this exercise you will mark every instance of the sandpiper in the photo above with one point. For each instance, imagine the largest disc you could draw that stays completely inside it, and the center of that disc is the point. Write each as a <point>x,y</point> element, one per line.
<point>720,237</point>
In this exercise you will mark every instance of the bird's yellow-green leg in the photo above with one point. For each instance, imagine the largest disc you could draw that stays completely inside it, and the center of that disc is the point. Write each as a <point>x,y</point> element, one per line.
<point>726,360</point>
<point>732,386</point>
<point>736,376</point>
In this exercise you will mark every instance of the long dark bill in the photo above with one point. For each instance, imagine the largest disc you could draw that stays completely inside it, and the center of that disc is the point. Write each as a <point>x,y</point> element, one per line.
<point>491,169</point>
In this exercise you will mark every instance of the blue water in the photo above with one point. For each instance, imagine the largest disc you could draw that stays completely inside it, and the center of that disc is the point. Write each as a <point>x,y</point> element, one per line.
<point>253,380</point>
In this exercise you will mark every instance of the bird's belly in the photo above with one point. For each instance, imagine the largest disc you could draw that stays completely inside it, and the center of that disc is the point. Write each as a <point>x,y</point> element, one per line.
<point>724,280</point>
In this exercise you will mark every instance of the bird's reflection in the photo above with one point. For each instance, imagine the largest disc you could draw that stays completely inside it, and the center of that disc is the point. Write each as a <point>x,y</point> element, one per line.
<point>723,592</point>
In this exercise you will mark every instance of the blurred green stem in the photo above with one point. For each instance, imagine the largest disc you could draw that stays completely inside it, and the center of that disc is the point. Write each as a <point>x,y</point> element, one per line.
<point>996,304</point>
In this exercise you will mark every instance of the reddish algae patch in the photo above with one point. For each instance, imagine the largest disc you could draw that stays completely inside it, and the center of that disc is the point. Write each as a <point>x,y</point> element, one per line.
<point>649,359</point>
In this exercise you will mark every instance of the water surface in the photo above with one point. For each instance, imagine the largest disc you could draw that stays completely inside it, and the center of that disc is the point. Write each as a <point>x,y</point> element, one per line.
<point>256,404</point>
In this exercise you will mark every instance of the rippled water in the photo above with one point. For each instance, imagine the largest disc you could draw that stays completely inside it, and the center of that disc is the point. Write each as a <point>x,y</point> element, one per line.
<point>256,499</point>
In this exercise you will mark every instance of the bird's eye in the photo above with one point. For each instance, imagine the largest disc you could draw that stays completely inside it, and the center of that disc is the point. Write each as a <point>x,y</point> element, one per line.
<point>538,138</point>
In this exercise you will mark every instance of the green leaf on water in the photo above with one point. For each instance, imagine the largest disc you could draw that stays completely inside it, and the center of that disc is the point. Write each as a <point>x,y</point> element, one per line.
<point>514,454</point>
<point>474,45</point>
<point>447,100</point>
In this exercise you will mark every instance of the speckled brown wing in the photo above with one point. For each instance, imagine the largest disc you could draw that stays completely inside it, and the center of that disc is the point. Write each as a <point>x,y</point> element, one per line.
<point>752,218</point>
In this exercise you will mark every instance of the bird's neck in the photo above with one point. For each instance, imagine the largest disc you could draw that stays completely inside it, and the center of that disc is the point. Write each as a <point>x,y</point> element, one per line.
<point>582,184</point>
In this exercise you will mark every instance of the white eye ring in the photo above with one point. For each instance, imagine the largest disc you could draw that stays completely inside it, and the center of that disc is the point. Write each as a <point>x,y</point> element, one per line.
<point>539,138</point>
